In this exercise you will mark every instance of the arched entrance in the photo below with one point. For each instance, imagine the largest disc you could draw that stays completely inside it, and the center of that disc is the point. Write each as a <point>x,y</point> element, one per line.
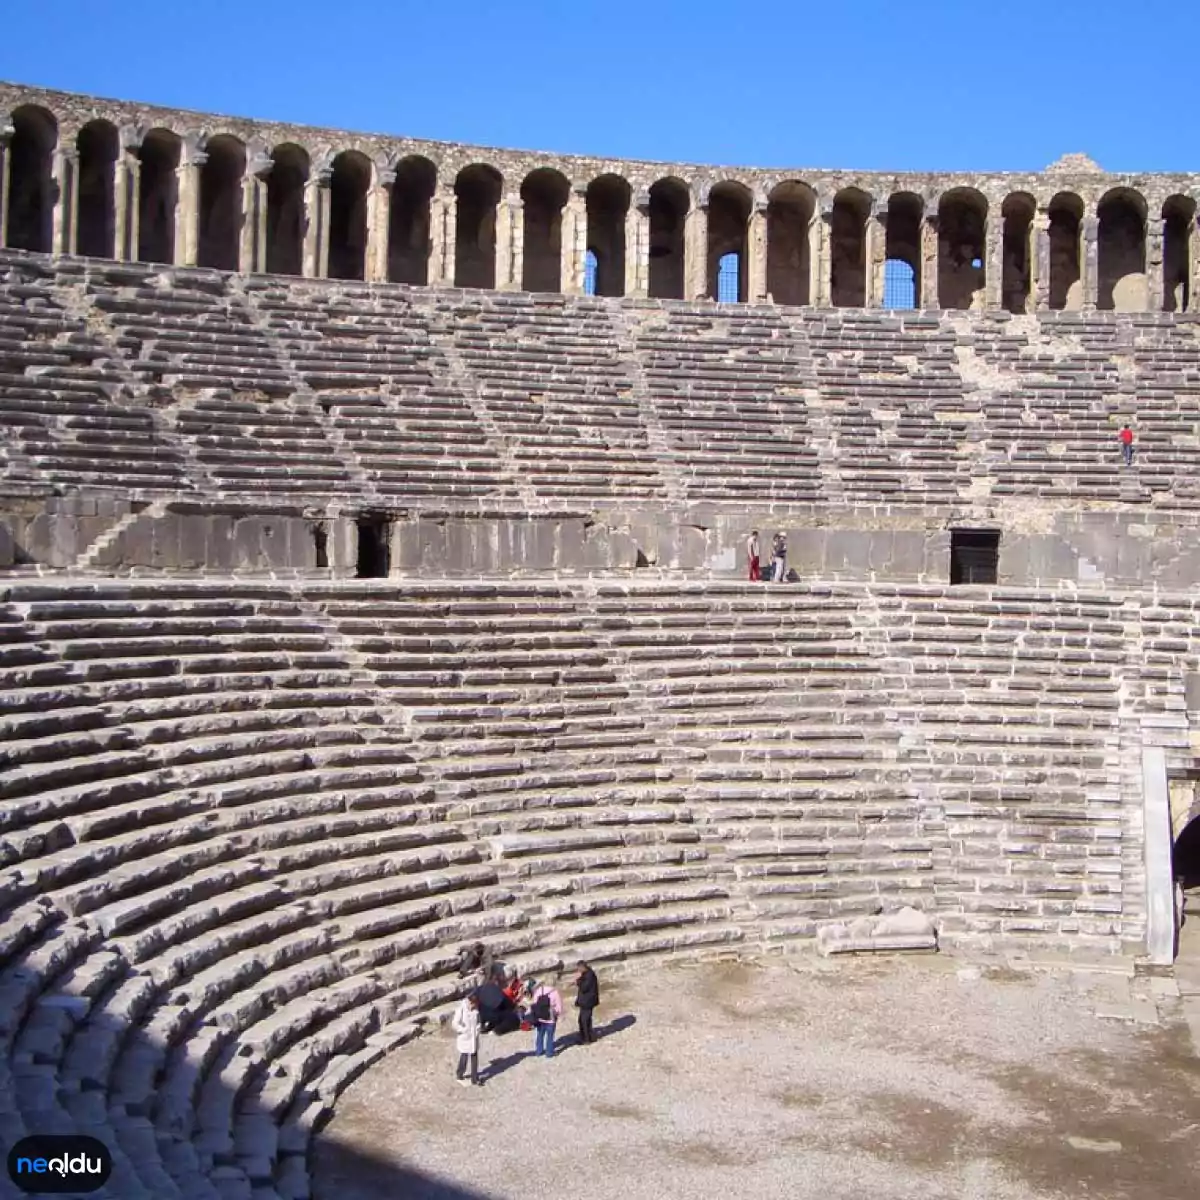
<point>1185,870</point>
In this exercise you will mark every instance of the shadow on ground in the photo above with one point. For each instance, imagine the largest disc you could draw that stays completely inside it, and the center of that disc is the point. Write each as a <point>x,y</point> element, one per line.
<point>343,1165</point>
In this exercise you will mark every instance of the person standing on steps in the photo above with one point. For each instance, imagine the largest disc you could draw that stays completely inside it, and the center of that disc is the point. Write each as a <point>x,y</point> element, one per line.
<point>545,1008</point>
<point>752,556</point>
<point>779,557</point>
<point>1126,436</point>
<point>466,1025</point>
<point>587,997</point>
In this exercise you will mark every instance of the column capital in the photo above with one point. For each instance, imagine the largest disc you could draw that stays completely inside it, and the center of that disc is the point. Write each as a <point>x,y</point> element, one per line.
<point>1090,228</point>
<point>514,202</point>
<point>758,207</point>
<point>385,177</point>
<point>260,166</point>
<point>131,138</point>
<point>641,200</point>
<point>7,129</point>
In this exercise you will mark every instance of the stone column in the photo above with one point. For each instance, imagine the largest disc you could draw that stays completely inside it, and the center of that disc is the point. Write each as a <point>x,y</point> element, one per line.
<point>756,253</point>
<point>510,243</point>
<point>820,265</point>
<point>637,246</point>
<point>573,246</point>
<point>252,251</point>
<point>695,253</point>
<point>875,255</point>
<point>443,230</point>
<point>993,260</point>
<point>379,221</point>
<point>1193,254</point>
<point>187,203</point>
<point>317,202</point>
<point>929,262</point>
<point>1039,262</point>
<point>127,191</point>
<point>1089,261</point>
<point>7,129</point>
<point>1154,264</point>
<point>66,201</point>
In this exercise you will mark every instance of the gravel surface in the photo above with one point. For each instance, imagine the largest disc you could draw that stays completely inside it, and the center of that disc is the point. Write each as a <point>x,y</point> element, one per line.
<point>862,1079</point>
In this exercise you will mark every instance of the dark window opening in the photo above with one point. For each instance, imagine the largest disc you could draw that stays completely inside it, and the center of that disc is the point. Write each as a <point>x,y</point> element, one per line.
<point>321,546</point>
<point>374,559</point>
<point>974,555</point>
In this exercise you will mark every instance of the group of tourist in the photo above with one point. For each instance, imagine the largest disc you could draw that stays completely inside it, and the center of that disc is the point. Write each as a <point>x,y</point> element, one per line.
<point>779,541</point>
<point>778,557</point>
<point>504,1001</point>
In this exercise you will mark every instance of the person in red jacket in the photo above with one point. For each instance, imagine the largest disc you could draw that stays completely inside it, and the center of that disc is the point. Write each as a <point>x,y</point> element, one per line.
<point>1126,436</point>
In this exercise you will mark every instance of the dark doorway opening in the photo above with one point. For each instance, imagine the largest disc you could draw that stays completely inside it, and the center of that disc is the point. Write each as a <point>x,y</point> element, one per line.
<point>321,546</point>
<point>1185,870</point>
<point>374,558</point>
<point>974,555</point>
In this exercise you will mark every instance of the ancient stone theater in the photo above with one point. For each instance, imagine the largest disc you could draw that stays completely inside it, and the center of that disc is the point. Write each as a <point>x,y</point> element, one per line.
<point>373,582</point>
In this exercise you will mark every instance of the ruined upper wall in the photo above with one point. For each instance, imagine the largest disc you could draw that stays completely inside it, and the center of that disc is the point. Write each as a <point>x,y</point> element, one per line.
<point>1073,174</point>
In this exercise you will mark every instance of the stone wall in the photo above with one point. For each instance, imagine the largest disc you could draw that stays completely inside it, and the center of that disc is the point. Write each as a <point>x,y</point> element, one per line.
<point>187,420</point>
<point>217,191</point>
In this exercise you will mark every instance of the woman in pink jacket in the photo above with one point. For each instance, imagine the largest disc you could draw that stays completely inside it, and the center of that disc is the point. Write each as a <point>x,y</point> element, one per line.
<point>545,1007</point>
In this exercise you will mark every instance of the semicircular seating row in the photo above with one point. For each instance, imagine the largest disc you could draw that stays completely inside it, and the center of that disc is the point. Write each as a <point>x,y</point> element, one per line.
<point>246,828</point>
<point>193,383</point>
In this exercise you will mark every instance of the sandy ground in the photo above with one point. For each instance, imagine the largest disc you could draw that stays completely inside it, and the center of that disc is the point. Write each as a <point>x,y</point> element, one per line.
<point>863,1079</point>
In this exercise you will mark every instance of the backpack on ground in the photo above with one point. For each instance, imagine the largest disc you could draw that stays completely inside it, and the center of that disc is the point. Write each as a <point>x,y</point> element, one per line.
<point>540,1010</point>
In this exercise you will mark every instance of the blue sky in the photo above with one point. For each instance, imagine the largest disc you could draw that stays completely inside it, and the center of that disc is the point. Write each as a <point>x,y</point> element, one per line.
<point>869,85</point>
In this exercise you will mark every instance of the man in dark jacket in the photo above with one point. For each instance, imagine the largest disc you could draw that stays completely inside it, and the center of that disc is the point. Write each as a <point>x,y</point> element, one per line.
<point>586,999</point>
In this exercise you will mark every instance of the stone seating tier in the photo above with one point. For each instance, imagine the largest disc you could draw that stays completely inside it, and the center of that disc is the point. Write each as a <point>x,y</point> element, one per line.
<point>174,382</point>
<point>247,827</point>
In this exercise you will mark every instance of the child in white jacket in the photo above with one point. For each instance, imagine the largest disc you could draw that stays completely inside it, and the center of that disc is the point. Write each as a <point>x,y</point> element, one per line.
<point>466,1025</point>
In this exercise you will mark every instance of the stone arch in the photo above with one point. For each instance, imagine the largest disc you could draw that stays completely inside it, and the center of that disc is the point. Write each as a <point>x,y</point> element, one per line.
<point>1185,855</point>
<point>1016,272</point>
<point>286,220</point>
<point>98,146</point>
<point>670,203</point>
<point>962,248</point>
<point>409,220</point>
<point>1121,252</point>
<point>158,195</point>
<point>902,248</point>
<point>1179,247</point>
<point>607,203</point>
<point>31,193</point>
<point>848,248</point>
<point>728,225</point>
<point>790,209</point>
<point>349,183</point>
<point>477,190</point>
<point>544,194</point>
<point>1065,211</point>
<point>221,203</point>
